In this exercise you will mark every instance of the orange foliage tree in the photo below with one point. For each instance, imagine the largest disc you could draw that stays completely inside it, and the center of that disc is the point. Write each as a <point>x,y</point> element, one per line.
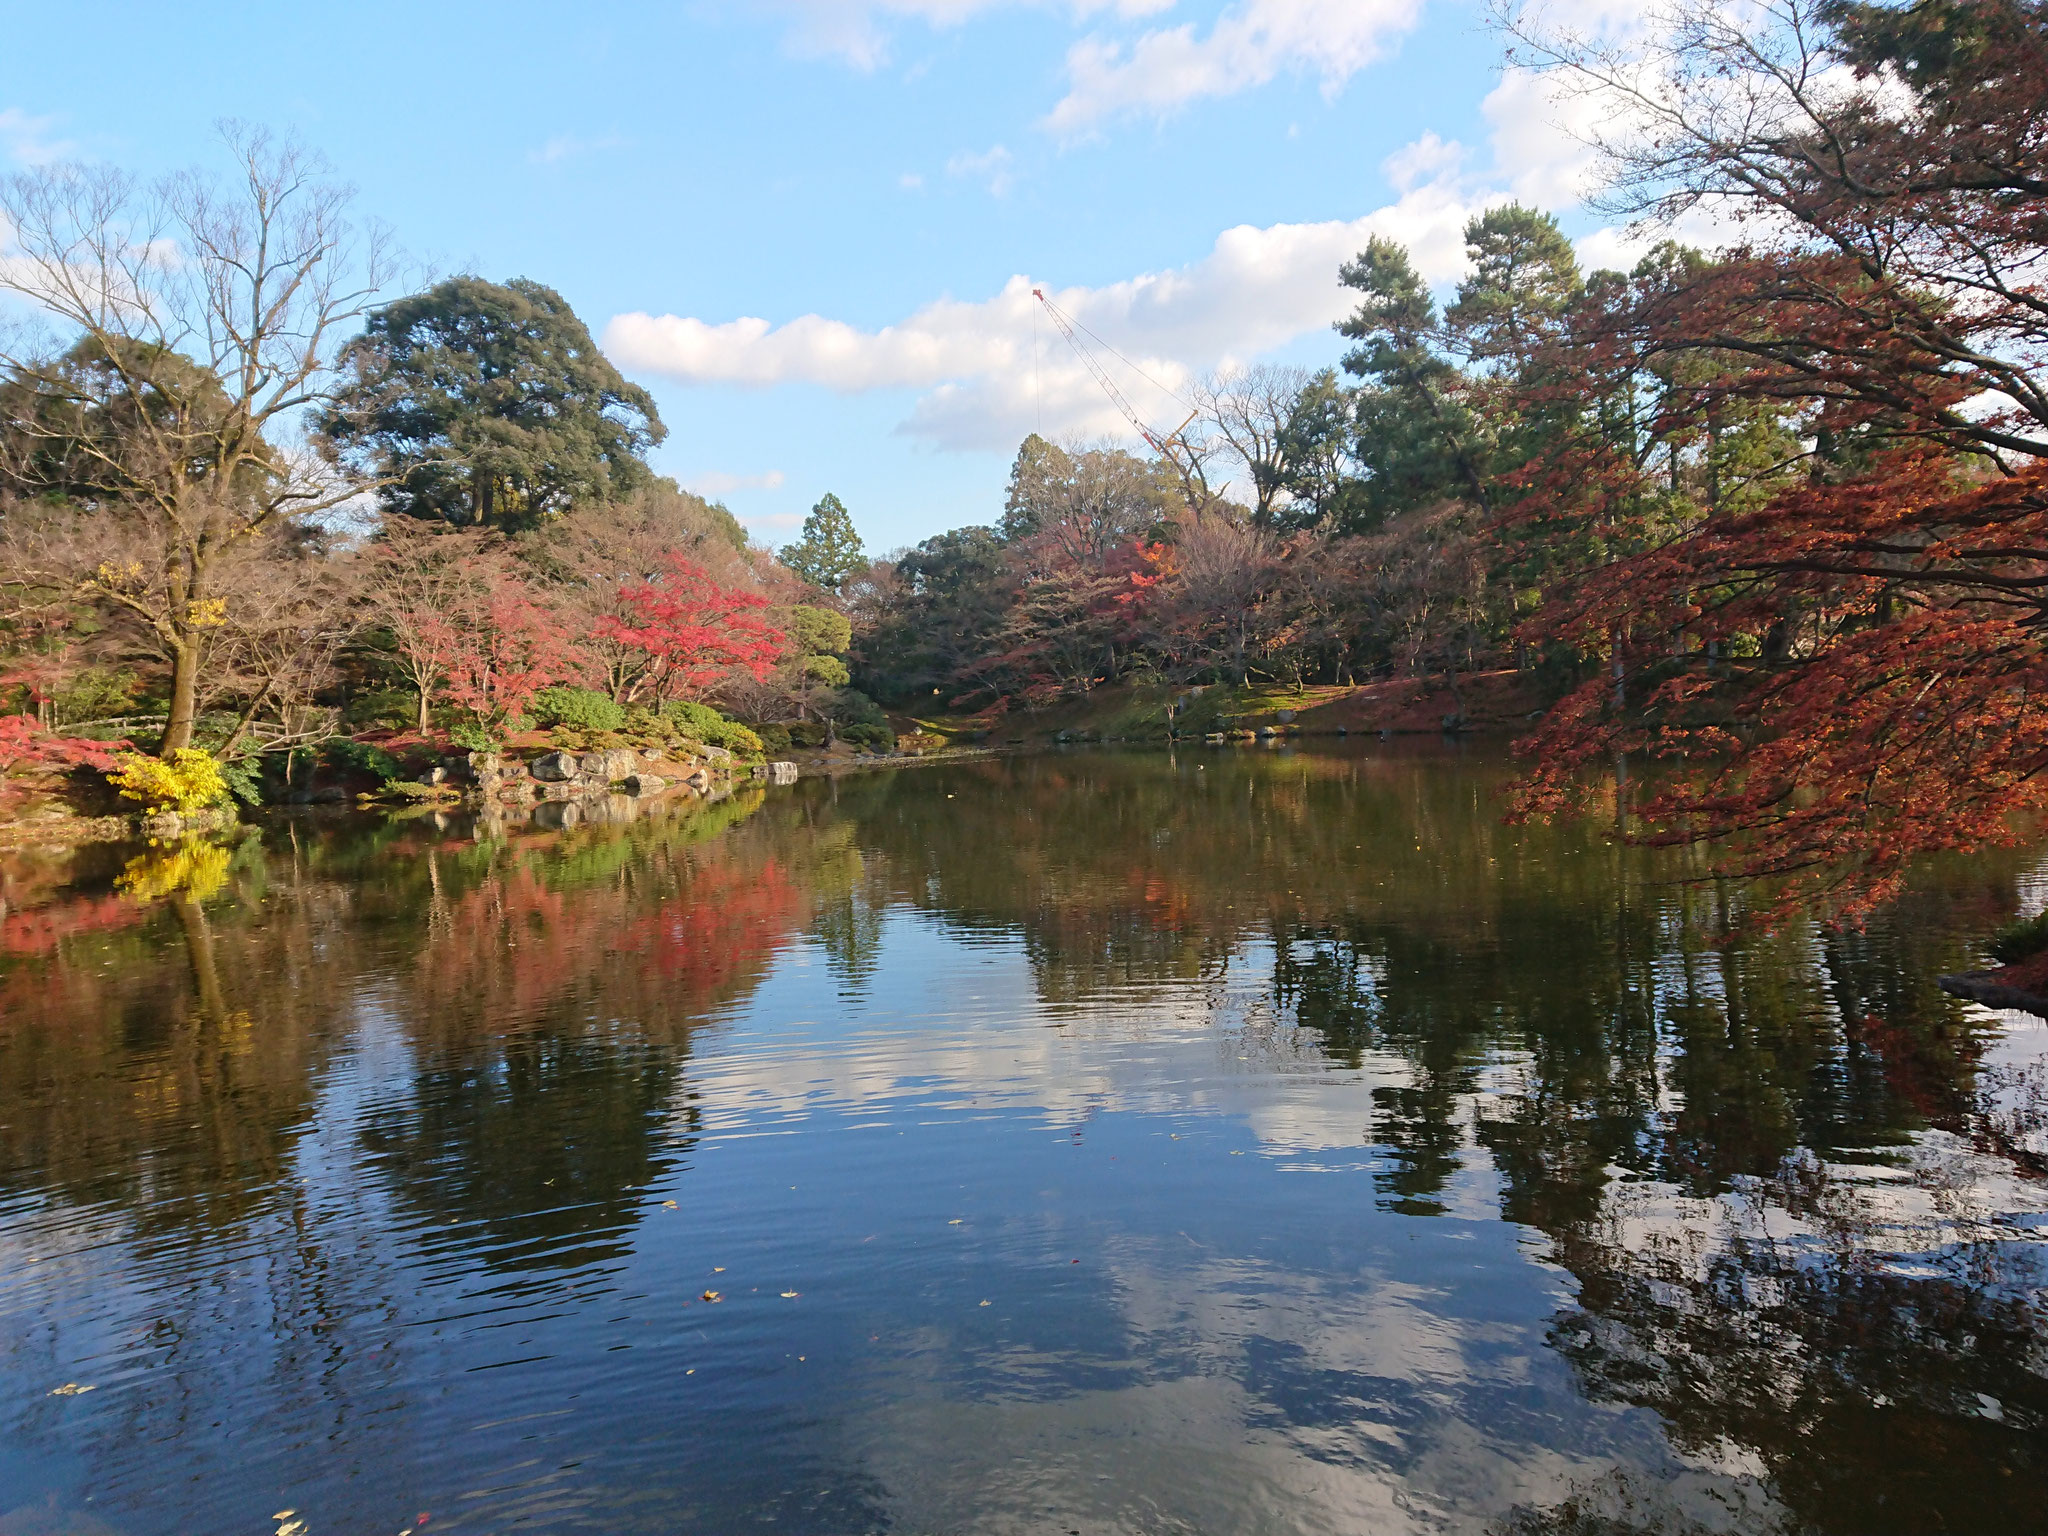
<point>1846,666</point>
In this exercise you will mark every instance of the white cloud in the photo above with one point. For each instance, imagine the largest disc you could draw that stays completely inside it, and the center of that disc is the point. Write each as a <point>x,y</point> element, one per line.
<point>715,483</point>
<point>1428,158</point>
<point>565,146</point>
<point>1153,73</point>
<point>986,371</point>
<point>857,31</point>
<point>29,140</point>
<point>910,181</point>
<point>995,368</point>
<point>1543,141</point>
<point>993,164</point>
<point>1248,45</point>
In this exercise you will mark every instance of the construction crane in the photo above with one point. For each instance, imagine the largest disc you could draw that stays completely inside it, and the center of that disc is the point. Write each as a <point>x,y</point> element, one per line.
<point>1068,326</point>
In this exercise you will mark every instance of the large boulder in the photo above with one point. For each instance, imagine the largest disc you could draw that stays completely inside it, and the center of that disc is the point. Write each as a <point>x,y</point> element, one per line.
<point>608,767</point>
<point>782,773</point>
<point>556,767</point>
<point>645,783</point>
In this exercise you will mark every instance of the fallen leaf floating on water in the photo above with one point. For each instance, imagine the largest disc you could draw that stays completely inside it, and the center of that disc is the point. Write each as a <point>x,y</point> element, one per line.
<point>791,1295</point>
<point>956,1221</point>
<point>669,1205</point>
<point>713,1296</point>
<point>984,1303</point>
<point>718,1269</point>
<point>69,1389</point>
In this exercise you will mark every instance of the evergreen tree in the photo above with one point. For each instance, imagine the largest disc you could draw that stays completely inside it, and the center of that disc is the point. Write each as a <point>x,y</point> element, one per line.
<point>1417,441</point>
<point>830,550</point>
<point>490,404</point>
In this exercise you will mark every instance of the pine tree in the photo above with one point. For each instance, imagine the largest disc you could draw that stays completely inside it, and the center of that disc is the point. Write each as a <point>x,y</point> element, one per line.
<point>830,550</point>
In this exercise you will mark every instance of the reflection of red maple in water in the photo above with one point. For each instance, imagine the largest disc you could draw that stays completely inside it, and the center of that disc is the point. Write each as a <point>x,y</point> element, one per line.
<point>730,918</point>
<point>515,946</point>
<point>40,930</point>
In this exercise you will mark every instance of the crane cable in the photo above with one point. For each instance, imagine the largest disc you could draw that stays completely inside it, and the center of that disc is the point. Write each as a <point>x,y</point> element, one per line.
<point>1067,325</point>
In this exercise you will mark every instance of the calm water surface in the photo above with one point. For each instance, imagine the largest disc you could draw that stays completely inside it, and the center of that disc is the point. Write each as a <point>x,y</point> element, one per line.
<point>1231,1143</point>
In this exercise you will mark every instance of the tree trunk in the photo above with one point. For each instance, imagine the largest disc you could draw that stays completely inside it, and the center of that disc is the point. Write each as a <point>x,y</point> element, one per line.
<point>426,720</point>
<point>184,697</point>
<point>199,948</point>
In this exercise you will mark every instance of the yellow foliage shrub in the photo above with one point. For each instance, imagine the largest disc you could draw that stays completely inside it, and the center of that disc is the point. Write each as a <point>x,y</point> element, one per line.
<point>187,781</point>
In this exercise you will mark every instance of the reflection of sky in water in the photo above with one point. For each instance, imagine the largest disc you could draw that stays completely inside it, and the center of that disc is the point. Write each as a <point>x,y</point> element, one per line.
<point>1140,1253</point>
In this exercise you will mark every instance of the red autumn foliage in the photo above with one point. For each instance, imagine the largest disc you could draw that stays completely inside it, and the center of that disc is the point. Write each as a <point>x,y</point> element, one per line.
<point>501,648</point>
<point>694,632</point>
<point>25,744</point>
<point>1843,669</point>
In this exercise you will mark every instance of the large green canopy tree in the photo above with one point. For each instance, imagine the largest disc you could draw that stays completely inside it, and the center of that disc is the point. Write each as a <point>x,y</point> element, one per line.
<point>486,404</point>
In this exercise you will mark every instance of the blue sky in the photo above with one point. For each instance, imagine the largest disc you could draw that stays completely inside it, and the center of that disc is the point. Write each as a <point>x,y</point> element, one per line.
<point>802,223</point>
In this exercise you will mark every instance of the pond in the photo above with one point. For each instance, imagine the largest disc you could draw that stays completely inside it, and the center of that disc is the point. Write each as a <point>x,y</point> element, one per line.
<point>1224,1141</point>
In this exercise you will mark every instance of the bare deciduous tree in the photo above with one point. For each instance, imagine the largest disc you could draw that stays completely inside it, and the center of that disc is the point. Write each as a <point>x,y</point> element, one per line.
<point>1249,409</point>
<point>190,328</point>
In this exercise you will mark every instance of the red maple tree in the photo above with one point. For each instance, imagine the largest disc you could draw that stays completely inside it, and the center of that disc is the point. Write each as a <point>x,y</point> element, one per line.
<point>499,648</point>
<point>692,633</point>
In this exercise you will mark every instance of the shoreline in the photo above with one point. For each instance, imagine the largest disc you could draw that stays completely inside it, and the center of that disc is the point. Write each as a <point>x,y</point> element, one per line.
<point>44,831</point>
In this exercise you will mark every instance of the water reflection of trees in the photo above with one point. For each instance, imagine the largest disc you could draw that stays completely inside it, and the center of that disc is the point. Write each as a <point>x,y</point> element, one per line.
<point>168,1018</point>
<point>179,1036</point>
<point>1590,1024</point>
<point>1551,1003</point>
<point>148,1056</point>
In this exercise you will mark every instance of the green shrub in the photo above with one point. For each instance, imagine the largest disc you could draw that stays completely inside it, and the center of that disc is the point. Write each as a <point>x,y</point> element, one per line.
<point>2016,941</point>
<point>405,789</point>
<point>396,707</point>
<point>852,707</point>
<point>707,725</point>
<point>362,757</point>
<point>94,694</point>
<point>876,738</point>
<point>244,778</point>
<point>808,733</point>
<point>642,721</point>
<point>692,716</point>
<point>472,737</point>
<point>774,738</point>
<point>584,708</point>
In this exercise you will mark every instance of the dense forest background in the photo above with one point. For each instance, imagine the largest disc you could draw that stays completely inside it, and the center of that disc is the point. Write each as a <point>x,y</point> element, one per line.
<point>1765,509</point>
